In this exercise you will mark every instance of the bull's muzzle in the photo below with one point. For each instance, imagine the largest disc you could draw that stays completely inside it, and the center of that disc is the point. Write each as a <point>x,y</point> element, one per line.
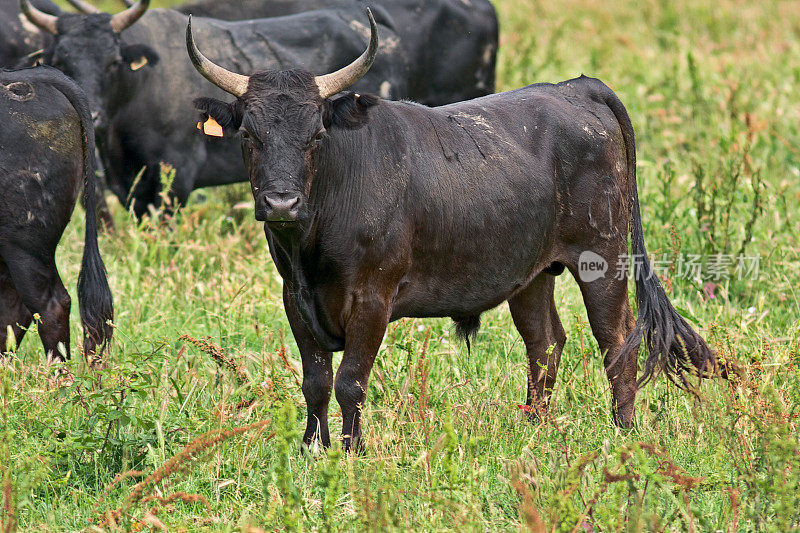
<point>278,208</point>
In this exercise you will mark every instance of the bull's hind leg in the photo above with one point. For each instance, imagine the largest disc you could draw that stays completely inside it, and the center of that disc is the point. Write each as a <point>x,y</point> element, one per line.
<point>41,290</point>
<point>535,316</point>
<point>13,313</point>
<point>611,319</point>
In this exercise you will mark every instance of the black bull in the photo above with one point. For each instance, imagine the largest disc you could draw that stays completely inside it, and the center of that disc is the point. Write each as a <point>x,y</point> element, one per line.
<point>140,84</point>
<point>378,210</point>
<point>46,155</point>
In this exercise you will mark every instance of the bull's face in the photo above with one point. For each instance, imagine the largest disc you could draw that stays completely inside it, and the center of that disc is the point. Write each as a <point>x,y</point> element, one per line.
<point>279,130</point>
<point>279,115</point>
<point>87,48</point>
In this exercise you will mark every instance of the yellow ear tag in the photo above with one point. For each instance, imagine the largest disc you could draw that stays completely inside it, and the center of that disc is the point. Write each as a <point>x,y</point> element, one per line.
<point>139,63</point>
<point>210,127</point>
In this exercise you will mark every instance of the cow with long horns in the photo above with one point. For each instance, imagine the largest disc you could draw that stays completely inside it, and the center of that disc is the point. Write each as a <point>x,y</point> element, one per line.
<point>464,35</point>
<point>378,210</point>
<point>141,86</point>
<point>18,37</point>
<point>46,155</point>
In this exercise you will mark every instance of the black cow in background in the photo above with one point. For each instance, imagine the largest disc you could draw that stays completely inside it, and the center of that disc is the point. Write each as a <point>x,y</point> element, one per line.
<point>377,210</point>
<point>140,83</point>
<point>46,155</point>
<point>18,37</point>
<point>451,45</point>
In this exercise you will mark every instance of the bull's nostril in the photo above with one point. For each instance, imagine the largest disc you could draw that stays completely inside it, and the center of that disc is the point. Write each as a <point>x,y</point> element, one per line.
<point>283,208</point>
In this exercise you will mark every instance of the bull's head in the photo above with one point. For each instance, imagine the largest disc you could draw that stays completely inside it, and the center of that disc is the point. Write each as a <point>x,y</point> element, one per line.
<point>88,49</point>
<point>282,118</point>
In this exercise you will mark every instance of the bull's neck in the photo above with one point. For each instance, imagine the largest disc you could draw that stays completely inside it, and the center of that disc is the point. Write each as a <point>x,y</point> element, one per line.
<point>286,248</point>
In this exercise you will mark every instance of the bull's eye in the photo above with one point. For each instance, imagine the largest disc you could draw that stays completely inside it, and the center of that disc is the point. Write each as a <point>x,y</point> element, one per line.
<point>316,139</point>
<point>246,137</point>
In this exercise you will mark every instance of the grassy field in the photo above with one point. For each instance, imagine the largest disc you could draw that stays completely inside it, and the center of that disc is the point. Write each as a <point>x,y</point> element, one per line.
<point>712,88</point>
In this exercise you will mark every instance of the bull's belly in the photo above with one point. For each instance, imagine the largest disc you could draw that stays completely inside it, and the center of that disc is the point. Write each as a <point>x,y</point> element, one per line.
<point>461,292</point>
<point>462,270</point>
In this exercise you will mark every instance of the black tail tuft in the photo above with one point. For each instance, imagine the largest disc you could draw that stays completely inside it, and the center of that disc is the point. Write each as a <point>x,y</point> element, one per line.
<point>467,329</point>
<point>673,347</point>
<point>94,295</point>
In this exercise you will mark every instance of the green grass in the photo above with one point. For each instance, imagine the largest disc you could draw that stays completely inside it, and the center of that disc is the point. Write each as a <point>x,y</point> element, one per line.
<point>712,91</point>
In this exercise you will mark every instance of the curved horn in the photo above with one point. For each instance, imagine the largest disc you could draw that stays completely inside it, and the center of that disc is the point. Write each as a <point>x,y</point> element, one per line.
<point>338,81</point>
<point>125,19</point>
<point>228,81</point>
<point>39,18</point>
<point>84,7</point>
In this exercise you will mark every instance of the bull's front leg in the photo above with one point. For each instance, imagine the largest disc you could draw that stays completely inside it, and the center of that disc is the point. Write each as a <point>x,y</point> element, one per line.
<point>317,374</point>
<point>363,336</point>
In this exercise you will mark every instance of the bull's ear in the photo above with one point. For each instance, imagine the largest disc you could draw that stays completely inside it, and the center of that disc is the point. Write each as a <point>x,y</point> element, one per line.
<point>137,56</point>
<point>217,118</point>
<point>349,110</point>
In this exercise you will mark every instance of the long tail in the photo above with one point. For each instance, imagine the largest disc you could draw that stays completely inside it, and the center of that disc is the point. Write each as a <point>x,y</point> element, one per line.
<point>673,347</point>
<point>95,301</point>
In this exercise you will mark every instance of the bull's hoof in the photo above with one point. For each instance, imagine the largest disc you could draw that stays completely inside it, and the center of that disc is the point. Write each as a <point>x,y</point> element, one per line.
<point>624,420</point>
<point>730,371</point>
<point>314,447</point>
<point>354,446</point>
<point>535,412</point>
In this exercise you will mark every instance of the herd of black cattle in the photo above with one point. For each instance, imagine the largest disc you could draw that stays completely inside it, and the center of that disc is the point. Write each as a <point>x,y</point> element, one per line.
<point>393,185</point>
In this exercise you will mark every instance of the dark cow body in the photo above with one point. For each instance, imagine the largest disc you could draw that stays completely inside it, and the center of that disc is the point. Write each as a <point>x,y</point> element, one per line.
<point>399,210</point>
<point>18,37</point>
<point>46,154</point>
<point>451,45</point>
<point>142,116</point>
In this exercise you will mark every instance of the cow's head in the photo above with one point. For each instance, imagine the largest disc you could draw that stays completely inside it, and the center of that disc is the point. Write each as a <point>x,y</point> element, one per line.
<point>282,118</point>
<point>87,48</point>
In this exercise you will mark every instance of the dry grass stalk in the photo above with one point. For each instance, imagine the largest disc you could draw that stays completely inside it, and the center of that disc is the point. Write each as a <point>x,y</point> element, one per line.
<point>176,496</point>
<point>117,479</point>
<point>198,450</point>
<point>216,353</point>
<point>8,521</point>
<point>530,514</point>
<point>422,372</point>
<point>288,365</point>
